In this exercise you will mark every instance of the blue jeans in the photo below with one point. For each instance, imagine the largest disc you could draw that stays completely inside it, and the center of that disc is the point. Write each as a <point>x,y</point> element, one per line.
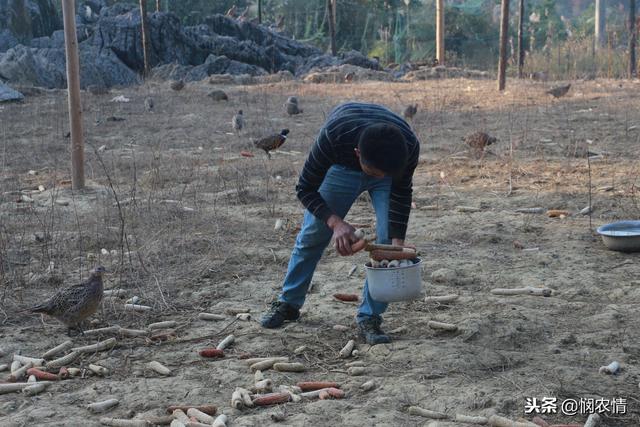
<point>340,188</point>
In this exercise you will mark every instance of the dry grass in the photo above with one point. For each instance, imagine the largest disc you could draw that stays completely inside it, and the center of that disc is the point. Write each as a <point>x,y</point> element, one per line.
<point>194,225</point>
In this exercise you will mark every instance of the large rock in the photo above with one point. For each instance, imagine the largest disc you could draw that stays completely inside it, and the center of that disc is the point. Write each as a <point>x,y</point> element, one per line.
<point>7,40</point>
<point>7,94</point>
<point>26,19</point>
<point>46,67</point>
<point>122,34</point>
<point>442,72</point>
<point>27,66</point>
<point>214,65</point>
<point>102,67</point>
<point>250,43</point>
<point>319,63</point>
<point>339,73</point>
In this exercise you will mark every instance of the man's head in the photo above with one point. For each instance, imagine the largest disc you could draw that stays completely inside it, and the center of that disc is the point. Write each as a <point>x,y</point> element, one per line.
<point>382,150</point>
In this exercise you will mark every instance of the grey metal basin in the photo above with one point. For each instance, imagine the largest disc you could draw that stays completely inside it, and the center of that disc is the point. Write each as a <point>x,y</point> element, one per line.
<point>623,236</point>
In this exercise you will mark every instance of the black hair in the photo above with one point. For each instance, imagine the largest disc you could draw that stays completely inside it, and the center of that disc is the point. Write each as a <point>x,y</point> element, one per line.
<point>383,147</point>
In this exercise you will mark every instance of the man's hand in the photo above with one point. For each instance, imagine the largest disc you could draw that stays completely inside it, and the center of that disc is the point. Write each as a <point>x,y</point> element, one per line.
<point>343,235</point>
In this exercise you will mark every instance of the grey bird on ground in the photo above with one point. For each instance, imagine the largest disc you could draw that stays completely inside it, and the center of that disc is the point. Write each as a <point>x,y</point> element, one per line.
<point>148,104</point>
<point>74,304</point>
<point>292,106</point>
<point>559,91</point>
<point>410,111</point>
<point>177,85</point>
<point>238,121</point>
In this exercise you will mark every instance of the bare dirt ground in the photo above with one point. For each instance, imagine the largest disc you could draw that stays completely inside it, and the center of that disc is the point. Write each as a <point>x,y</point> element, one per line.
<point>194,231</point>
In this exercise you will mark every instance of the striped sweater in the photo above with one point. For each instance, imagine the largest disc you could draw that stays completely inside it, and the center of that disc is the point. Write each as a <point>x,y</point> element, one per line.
<point>335,145</point>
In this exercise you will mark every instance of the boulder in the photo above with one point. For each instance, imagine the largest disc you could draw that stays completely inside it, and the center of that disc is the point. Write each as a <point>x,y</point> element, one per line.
<point>442,72</point>
<point>169,43</point>
<point>26,19</point>
<point>212,66</point>
<point>103,67</point>
<point>27,66</point>
<point>7,40</point>
<point>320,63</point>
<point>8,94</point>
<point>46,67</point>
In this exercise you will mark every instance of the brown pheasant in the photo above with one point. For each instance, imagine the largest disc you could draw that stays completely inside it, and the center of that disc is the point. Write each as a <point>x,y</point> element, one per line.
<point>292,106</point>
<point>218,95</point>
<point>177,85</point>
<point>272,142</point>
<point>478,142</point>
<point>74,304</point>
<point>560,91</point>
<point>410,111</point>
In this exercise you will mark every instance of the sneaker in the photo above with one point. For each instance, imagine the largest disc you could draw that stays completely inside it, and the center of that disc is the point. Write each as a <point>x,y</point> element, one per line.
<point>369,328</point>
<point>279,313</point>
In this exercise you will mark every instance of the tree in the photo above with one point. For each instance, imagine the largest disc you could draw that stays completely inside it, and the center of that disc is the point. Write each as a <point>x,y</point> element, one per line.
<point>504,32</point>
<point>440,31</point>
<point>600,23</point>
<point>332,29</point>
<point>521,39</point>
<point>632,38</point>
<point>145,37</point>
<point>73,87</point>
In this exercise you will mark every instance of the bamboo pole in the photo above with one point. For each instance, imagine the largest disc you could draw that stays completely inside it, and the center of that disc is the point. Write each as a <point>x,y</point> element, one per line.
<point>440,31</point>
<point>521,39</point>
<point>632,39</point>
<point>600,23</point>
<point>332,29</point>
<point>73,86</point>
<point>145,37</point>
<point>504,30</point>
<point>334,14</point>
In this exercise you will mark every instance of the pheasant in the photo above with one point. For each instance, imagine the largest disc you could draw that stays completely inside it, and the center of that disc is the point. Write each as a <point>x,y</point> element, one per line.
<point>293,109</point>
<point>97,89</point>
<point>410,111</point>
<point>177,85</point>
<point>478,141</point>
<point>559,91</point>
<point>238,121</point>
<point>74,304</point>
<point>218,95</point>
<point>272,142</point>
<point>148,104</point>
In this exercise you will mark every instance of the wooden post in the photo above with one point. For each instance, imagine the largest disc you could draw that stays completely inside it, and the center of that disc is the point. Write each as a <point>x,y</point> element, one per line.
<point>158,7</point>
<point>259,11</point>
<point>334,14</point>
<point>632,39</point>
<point>145,38</point>
<point>521,40</point>
<point>332,29</point>
<point>440,31</point>
<point>73,86</point>
<point>504,30</point>
<point>600,23</point>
